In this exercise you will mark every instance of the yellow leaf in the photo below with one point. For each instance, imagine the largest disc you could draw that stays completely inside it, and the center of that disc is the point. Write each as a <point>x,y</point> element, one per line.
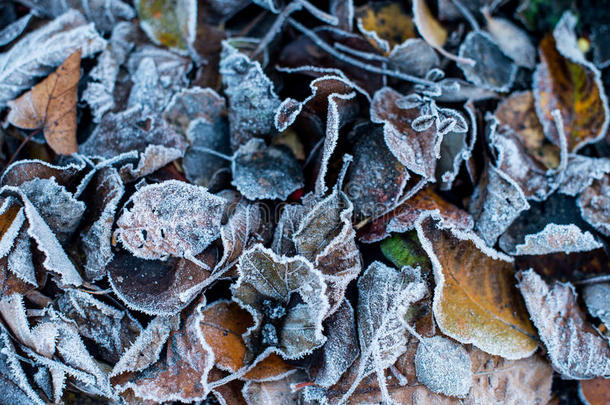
<point>389,21</point>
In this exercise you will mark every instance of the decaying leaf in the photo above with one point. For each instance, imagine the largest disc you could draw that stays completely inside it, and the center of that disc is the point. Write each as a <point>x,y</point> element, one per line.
<point>172,23</point>
<point>51,105</point>
<point>39,52</point>
<point>595,297</point>
<point>595,391</point>
<point>564,80</point>
<point>389,22</point>
<point>577,351</point>
<point>443,366</point>
<point>172,218</point>
<point>512,40</point>
<point>266,286</point>
<point>594,204</point>
<point>557,238</point>
<point>475,300</point>
<point>261,172</point>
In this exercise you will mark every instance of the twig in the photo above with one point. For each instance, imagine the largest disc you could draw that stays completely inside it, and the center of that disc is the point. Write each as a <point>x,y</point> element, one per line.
<point>467,15</point>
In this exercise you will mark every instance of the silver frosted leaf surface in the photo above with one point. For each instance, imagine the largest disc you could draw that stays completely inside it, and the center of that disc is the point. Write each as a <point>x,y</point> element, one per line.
<point>594,204</point>
<point>596,299</point>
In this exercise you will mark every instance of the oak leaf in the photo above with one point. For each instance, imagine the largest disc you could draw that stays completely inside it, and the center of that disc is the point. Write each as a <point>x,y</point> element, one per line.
<point>51,105</point>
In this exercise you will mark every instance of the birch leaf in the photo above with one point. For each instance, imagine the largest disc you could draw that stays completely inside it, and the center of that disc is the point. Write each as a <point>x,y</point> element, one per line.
<point>51,105</point>
<point>559,320</point>
<point>475,300</point>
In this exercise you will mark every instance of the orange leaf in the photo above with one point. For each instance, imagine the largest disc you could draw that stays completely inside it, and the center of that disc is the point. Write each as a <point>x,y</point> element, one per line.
<point>596,391</point>
<point>51,105</point>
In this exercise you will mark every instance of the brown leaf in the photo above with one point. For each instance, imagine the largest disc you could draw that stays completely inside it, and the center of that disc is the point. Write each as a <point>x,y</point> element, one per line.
<point>595,391</point>
<point>577,351</point>
<point>388,21</point>
<point>594,204</point>
<point>475,300</point>
<point>403,217</point>
<point>51,105</point>
<point>564,80</point>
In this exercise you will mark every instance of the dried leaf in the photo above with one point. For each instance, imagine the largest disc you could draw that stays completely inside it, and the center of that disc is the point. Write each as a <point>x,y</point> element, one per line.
<point>158,287</point>
<point>384,297</point>
<point>594,204</point>
<point>265,287</point>
<point>414,57</point>
<point>564,80</point>
<point>417,150</point>
<point>557,238</point>
<point>51,105</point>
<point>388,22</point>
<point>172,218</point>
<point>261,172</point>
<point>595,391</point>
<point>429,28</point>
<point>39,52</point>
<point>172,24</point>
<point>576,350</point>
<point>403,217</point>
<point>251,97</point>
<point>511,40</point>
<point>493,69</point>
<point>14,29</point>
<point>273,392</point>
<point>595,297</point>
<point>475,300</point>
<point>443,366</point>
<point>192,104</point>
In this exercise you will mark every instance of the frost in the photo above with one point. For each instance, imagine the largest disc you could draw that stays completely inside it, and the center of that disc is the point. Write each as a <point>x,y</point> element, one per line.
<point>20,259</point>
<point>99,93</point>
<point>147,90</point>
<point>265,275</point>
<point>57,206</point>
<point>287,225</point>
<point>577,351</point>
<point>443,366</point>
<point>414,57</point>
<point>581,172</point>
<point>201,166</point>
<point>193,104</point>
<point>14,29</point>
<point>104,13</point>
<point>341,347</point>
<point>146,348</point>
<point>418,151</point>
<point>594,204</point>
<point>384,297</point>
<point>557,238</point>
<point>496,203</point>
<point>252,100</point>
<point>40,52</point>
<point>261,172</point>
<point>153,158</point>
<point>493,69</point>
<point>512,40</point>
<point>7,241</point>
<point>96,240</point>
<point>171,67</point>
<point>170,218</point>
<point>596,298</point>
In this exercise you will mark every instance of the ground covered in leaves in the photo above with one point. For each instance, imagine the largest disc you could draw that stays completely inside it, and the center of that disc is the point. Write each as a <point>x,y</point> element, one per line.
<point>304,202</point>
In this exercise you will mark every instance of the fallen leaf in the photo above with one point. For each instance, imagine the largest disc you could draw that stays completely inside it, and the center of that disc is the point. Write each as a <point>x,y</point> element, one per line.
<point>172,24</point>
<point>595,298</point>
<point>172,218</point>
<point>388,22</point>
<point>577,351</point>
<point>51,105</point>
<point>557,238</point>
<point>512,40</point>
<point>475,300</point>
<point>595,391</point>
<point>594,205</point>
<point>564,80</point>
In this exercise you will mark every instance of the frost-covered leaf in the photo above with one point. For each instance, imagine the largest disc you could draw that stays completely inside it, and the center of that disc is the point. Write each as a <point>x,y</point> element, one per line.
<point>148,91</point>
<point>223,324</point>
<point>251,97</point>
<point>414,56</point>
<point>496,203</point>
<point>497,380</point>
<point>326,238</point>
<point>557,238</point>
<point>341,347</point>
<point>418,151</point>
<point>40,52</point>
<point>14,29</point>
<point>273,392</point>
<point>388,22</point>
<point>581,172</point>
<point>130,130</point>
<point>261,172</point>
<point>493,69</point>
<point>104,13</point>
<point>169,23</point>
<point>266,286</point>
<point>51,105</point>
<point>384,297</point>
<point>191,104</point>
<point>596,298</point>
<point>288,223</point>
<point>96,239</point>
<point>158,287</point>
<point>375,179</point>
<point>58,207</point>
<point>112,330</point>
<point>577,351</point>
<point>402,218</point>
<point>511,40</point>
<point>181,374</point>
<point>443,366</point>
<point>594,204</point>
<point>475,300</point>
<point>146,348</point>
<point>172,218</point>
<point>566,81</point>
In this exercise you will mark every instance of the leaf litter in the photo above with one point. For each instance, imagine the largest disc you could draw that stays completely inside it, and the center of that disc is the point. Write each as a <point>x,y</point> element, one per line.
<point>330,202</point>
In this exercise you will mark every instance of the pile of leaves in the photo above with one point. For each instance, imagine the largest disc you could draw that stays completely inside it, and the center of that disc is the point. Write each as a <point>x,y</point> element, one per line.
<point>295,202</point>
